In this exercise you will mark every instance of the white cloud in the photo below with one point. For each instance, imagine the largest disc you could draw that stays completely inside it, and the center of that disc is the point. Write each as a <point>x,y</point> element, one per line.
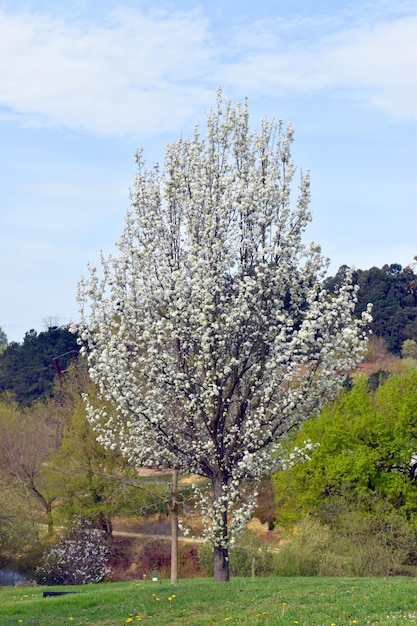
<point>128,76</point>
<point>138,74</point>
<point>380,60</point>
<point>375,63</point>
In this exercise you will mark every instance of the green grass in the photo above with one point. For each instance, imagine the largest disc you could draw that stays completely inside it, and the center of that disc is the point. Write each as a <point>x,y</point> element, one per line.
<point>201,602</point>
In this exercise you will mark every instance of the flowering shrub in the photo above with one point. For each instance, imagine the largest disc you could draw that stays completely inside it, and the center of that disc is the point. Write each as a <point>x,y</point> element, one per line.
<point>79,559</point>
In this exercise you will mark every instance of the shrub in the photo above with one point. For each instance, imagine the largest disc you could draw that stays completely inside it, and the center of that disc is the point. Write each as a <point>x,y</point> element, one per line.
<point>155,558</point>
<point>409,349</point>
<point>302,552</point>
<point>373,543</point>
<point>354,542</point>
<point>18,536</point>
<point>142,558</point>
<point>79,559</point>
<point>248,549</point>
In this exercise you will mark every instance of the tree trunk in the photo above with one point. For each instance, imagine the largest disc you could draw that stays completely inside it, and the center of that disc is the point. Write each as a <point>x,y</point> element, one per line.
<point>50,520</point>
<point>221,550</point>
<point>174,528</point>
<point>221,565</point>
<point>47,506</point>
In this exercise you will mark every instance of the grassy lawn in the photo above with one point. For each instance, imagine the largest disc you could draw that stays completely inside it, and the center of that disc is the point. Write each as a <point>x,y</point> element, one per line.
<point>201,602</point>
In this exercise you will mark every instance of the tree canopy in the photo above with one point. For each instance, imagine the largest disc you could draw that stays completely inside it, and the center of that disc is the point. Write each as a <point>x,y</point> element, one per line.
<point>3,339</point>
<point>29,369</point>
<point>366,441</point>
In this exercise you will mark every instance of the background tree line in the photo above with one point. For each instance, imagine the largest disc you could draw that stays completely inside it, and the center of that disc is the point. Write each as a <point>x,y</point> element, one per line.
<point>28,371</point>
<point>392,290</point>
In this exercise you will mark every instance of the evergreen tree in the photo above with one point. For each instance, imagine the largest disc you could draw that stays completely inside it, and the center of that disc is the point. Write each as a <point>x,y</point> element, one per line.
<point>29,369</point>
<point>392,290</point>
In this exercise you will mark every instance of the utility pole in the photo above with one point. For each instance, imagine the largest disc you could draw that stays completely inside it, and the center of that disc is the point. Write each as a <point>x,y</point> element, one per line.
<point>174,527</point>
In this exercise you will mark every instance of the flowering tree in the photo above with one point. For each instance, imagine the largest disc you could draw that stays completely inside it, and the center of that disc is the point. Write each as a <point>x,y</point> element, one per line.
<point>210,331</point>
<point>79,559</point>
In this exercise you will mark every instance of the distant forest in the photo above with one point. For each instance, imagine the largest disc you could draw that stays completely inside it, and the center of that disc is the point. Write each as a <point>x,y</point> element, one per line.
<point>29,369</point>
<point>392,290</point>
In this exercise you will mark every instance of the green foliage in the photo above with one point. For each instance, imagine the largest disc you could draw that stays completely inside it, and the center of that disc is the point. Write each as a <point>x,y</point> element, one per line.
<point>409,349</point>
<point>95,482</point>
<point>366,441</point>
<point>368,539</point>
<point>302,553</point>
<point>27,437</point>
<point>376,379</point>
<point>3,340</point>
<point>27,496</point>
<point>18,533</point>
<point>84,471</point>
<point>52,469</point>
<point>28,371</point>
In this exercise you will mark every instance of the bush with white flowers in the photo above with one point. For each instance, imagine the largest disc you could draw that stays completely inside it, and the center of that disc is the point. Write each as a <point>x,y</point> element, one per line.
<point>79,559</point>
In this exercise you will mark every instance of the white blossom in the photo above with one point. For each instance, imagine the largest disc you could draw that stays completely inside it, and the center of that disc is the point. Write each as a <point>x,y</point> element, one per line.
<point>79,559</point>
<point>210,331</point>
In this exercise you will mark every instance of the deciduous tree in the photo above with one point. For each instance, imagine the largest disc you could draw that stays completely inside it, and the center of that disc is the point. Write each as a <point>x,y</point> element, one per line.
<point>367,439</point>
<point>210,330</point>
<point>27,436</point>
<point>3,340</point>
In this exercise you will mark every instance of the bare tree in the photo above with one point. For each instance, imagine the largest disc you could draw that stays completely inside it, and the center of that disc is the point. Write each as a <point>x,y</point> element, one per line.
<point>26,439</point>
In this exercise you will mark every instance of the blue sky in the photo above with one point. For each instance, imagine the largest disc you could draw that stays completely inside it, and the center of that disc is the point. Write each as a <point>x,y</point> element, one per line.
<point>84,83</point>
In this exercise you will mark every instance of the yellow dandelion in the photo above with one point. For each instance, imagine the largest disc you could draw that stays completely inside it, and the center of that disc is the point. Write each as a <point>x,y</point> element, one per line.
<point>129,619</point>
